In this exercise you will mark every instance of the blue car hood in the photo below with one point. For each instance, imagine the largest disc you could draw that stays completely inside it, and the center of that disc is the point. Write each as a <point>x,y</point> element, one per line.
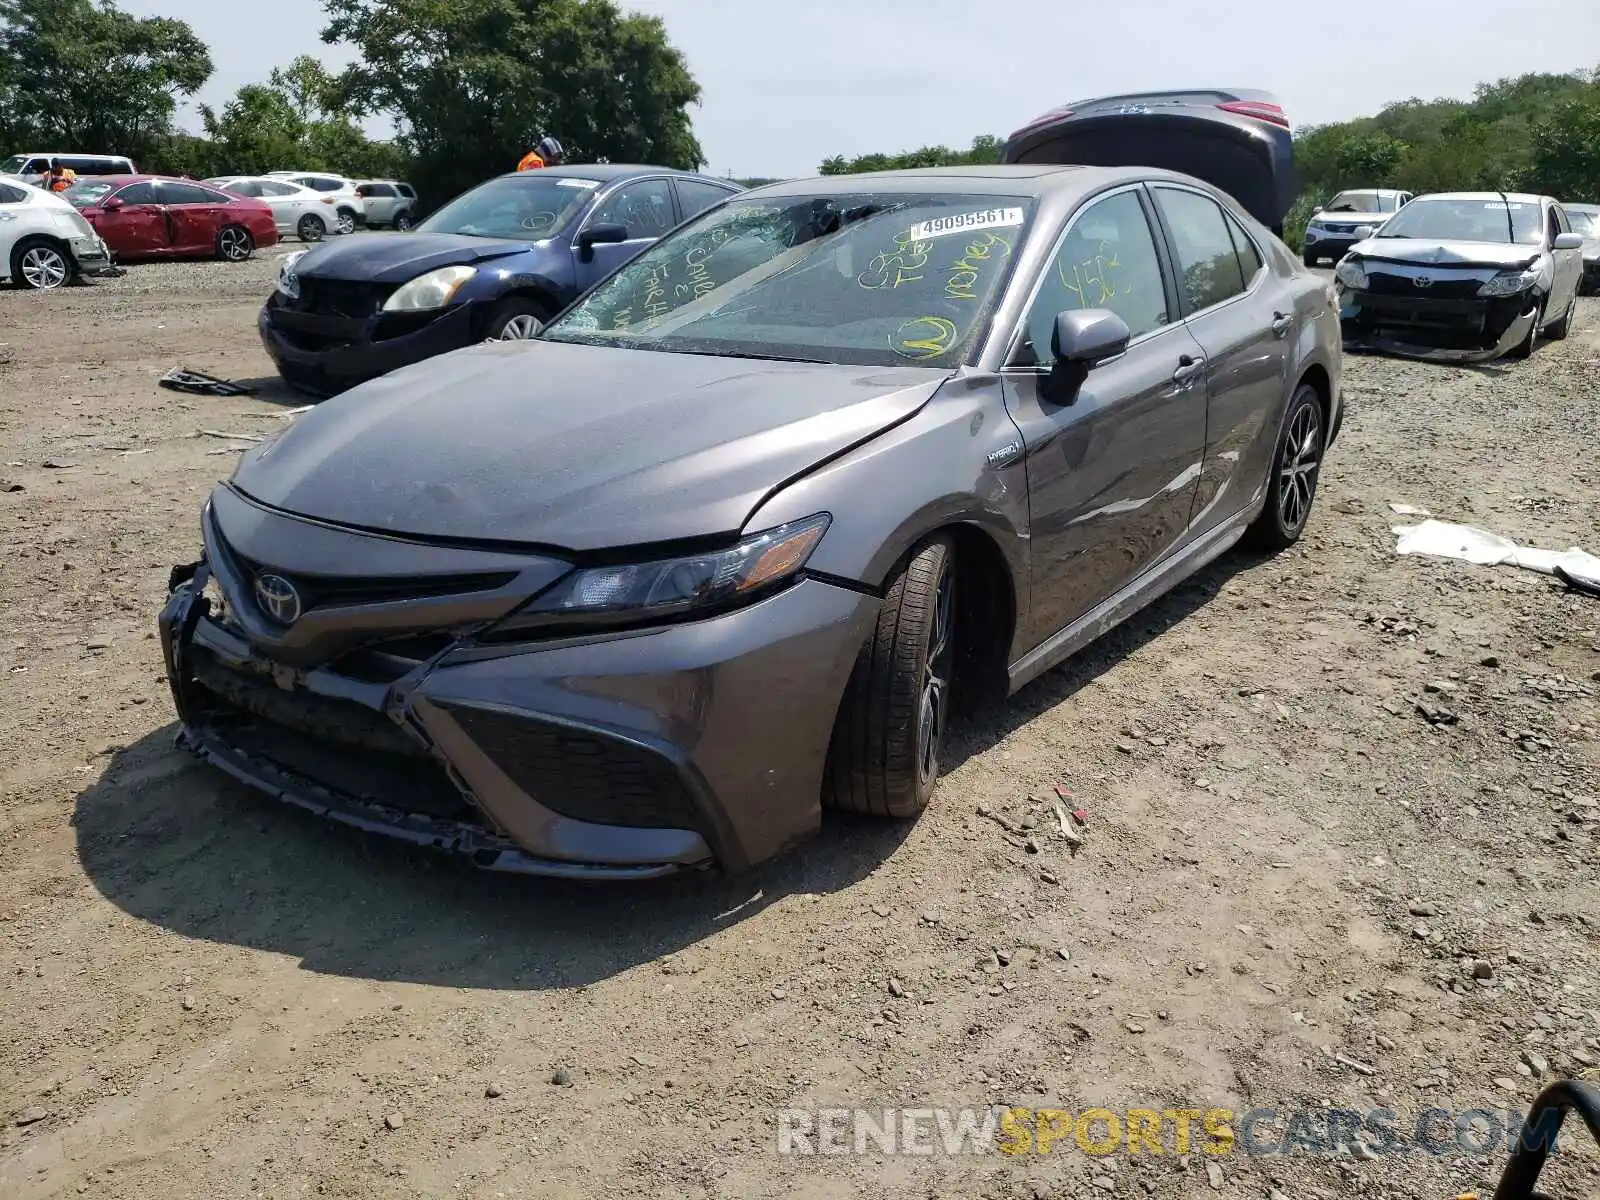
<point>397,258</point>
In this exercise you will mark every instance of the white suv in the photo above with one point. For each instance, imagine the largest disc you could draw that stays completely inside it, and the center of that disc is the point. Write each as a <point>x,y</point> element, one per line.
<point>348,205</point>
<point>1339,224</point>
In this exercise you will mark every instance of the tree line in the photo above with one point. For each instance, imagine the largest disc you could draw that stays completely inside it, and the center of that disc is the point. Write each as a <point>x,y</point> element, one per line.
<point>468,86</point>
<point>1532,133</point>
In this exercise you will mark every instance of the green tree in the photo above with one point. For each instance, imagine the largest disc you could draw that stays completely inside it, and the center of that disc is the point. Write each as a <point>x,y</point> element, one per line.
<point>984,149</point>
<point>88,76</point>
<point>257,131</point>
<point>1566,155</point>
<point>472,84</point>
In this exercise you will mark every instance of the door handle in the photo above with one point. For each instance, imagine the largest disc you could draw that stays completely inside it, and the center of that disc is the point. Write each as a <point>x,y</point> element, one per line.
<point>1188,371</point>
<point>1281,323</point>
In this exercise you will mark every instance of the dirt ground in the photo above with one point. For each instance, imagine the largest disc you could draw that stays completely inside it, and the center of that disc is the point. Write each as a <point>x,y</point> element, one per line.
<point>1289,881</point>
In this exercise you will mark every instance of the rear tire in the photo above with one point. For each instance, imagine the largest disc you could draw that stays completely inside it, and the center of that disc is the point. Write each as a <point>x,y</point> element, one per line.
<point>347,220</point>
<point>402,222</point>
<point>1296,467</point>
<point>890,730</point>
<point>234,244</point>
<point>41,265</point>
<point>311,228</point>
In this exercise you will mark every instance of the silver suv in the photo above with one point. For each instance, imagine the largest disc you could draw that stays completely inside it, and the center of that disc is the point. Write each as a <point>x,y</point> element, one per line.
<point>388,202</point>
<point>1341,222</point>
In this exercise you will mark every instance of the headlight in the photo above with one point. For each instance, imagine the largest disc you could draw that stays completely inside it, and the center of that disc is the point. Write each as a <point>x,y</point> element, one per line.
<point>430,291</point>
<point>1352,273</point>
<point>288,281</point>
<point>679,584</point>
<point>1509,283</point>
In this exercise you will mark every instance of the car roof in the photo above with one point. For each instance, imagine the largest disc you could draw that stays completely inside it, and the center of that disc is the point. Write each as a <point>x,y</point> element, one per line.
<point>1371,192</point>
<point>1487,197</point>
<point>1036,180</point>
<point>607,172</point>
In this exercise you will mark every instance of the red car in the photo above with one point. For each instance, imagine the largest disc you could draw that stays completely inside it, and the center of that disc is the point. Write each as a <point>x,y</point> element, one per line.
<point>152,216</point>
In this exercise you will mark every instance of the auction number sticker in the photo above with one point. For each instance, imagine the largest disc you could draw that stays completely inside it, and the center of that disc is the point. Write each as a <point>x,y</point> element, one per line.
<point>988,218</point>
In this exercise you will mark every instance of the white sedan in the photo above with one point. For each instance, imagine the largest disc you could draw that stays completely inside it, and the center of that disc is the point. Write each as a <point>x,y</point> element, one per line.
<point>299,210</point>
<point>45,242</point>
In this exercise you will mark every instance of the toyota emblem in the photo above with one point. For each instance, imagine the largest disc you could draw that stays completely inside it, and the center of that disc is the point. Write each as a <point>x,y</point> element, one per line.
<point>278,598</point>
<point>1422,281</point>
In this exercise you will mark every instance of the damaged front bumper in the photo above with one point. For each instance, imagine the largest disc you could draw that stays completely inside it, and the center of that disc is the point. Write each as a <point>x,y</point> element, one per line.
<point>625,756</point>
<point>1453,331</point>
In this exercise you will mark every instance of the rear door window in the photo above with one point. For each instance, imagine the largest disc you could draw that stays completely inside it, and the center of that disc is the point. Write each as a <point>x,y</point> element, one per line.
<point>405,190</point>
<point>11,195</point>
<point>1208,264</point>
<point>1250,261</point>
<point>189,193</point>
<point>274,189</point>
<point>696,197</point>
<point>249,187</point>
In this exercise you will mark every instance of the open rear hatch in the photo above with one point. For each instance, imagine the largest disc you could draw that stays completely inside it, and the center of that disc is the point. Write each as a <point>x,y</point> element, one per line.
<point>1238,141</point>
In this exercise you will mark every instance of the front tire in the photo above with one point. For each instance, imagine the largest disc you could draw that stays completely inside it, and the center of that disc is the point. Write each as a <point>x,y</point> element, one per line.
<point>890,729</point>
<point>347,221</point>
<point>311,228</point>
<point>41,265</point>
<point>516,319</point>
<point>402,222</point>
<point>1524,348</point>
<point>1559,329</point>
<point>1296,467</point>
<point>234,244</point>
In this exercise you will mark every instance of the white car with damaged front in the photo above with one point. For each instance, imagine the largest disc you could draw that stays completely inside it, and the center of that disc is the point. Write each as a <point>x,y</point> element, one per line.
<point>1462,276</point>
<point>45,243</point>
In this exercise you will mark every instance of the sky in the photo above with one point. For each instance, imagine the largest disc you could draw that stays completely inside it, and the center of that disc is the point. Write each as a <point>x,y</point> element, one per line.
<point>789,84</point>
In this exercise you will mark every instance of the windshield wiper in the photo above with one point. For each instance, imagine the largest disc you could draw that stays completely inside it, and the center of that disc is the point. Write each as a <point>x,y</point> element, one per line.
<point>821,362</point>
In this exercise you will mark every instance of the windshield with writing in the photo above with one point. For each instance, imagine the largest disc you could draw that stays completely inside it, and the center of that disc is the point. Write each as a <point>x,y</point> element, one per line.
<point>518,206</point>
<point>869,279</point>
<point>1468,221</point>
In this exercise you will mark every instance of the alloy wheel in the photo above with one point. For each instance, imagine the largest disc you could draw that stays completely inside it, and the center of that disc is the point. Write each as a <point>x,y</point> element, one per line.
<point>44,268</point>
<point>234,243</point>
<point>403,222</point>
<point>1302,460</point>
<point>520,327</point>
<point>934,704</point>
<point>347,223</point>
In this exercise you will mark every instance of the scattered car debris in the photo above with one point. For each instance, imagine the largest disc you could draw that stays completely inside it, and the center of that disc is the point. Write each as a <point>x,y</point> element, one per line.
<point>232,437</point>
<point>55,464</point>
<point>199,383</point>
<point>1442,539</point>
<point>1408,510</point>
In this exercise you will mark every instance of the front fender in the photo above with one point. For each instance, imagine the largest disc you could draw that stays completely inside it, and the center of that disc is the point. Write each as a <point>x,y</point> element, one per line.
<point>958,461</point>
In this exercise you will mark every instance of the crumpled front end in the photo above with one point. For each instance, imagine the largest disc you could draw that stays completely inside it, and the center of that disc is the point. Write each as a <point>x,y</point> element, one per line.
<point>1432,314</point>
<point>396,702</point>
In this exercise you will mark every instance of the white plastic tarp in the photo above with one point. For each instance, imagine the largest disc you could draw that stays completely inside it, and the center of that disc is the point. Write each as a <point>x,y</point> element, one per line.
<point>1442,539</point>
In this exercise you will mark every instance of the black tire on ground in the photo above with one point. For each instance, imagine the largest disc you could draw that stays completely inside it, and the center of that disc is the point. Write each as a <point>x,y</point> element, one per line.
<point>347,220</point>
<point>41,264</point>
<point>402,221</point>
<point>887,738</point>
<point>1296,467</point>
<point>1559,329</point>
<point>510,319</point>
<point>311,228</point>
<point>234,243</point>
<point>1524,348</point>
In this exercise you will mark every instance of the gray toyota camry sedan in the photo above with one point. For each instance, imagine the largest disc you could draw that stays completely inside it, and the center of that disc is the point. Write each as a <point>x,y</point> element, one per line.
<point>723,545</point>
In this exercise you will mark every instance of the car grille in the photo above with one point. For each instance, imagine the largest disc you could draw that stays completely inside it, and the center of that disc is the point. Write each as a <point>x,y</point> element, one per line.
<point>338,591</point>
<point>341,297</point>
<point>339,746</point>
<point>581,774</point>
<point>1346,229</point>
<point>1440,287</point>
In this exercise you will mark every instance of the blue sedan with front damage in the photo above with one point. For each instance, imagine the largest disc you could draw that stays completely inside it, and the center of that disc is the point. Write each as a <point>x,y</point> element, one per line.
<point>497,262</point>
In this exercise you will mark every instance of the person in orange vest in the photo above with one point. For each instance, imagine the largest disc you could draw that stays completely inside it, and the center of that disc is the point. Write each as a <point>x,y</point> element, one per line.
<point>60,177</point>
<point>547,153</point>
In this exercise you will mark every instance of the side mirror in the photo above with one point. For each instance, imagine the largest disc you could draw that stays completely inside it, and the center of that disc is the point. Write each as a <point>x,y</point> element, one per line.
<point>1088,336</point>
<point>605,233</point>
<point>1567,241</point>
<point>114,203</point>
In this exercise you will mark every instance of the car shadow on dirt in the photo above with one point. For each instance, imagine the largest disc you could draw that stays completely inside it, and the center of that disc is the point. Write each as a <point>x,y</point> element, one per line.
<point>175,843</point>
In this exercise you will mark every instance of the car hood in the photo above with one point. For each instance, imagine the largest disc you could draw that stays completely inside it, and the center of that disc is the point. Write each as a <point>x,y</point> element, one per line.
<point>1352,218</point>
<point>577,447</point>
<point>1446,254</point>
<point>400,257</point>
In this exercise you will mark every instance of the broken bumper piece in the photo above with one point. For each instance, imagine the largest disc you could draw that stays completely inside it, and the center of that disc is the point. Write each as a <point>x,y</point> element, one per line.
<point>606,757</point>
<point>1453,331</point>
